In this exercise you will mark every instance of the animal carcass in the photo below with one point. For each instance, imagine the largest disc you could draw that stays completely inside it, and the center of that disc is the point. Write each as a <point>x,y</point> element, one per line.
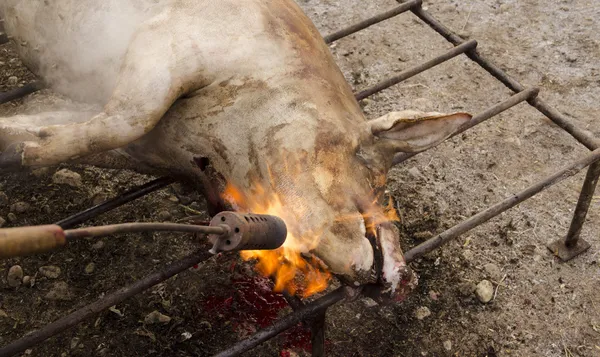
<point>228,93</point>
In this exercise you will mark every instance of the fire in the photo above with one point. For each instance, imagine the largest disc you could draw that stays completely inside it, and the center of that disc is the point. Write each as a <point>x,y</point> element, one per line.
<point>290,270</point>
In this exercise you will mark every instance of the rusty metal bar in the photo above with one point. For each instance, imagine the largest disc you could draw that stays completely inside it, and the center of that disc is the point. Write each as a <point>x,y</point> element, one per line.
<point>583,204</point>
<point>500,207</point>
<point>111,204</point>
<point>371,21</point>
<point>462,48</point>
<point>20,92</point>
<point>582,136</point>
<point>285,323</point>
<point>572,245</point>
<point>527,94</point>
<point>317,334</point>
<point>115,298</point>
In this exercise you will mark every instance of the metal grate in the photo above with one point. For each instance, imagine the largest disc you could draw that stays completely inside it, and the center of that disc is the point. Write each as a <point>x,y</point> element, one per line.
<point>314,312</point>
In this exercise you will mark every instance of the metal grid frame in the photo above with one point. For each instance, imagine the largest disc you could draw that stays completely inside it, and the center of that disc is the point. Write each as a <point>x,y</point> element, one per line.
<point>314,312</point>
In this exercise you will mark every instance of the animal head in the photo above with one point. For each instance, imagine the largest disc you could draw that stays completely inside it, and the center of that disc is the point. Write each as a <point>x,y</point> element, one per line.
<point>330,197</point>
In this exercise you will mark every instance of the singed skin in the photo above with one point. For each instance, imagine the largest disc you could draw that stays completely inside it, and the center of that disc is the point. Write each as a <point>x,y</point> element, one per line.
<point>243,92</point>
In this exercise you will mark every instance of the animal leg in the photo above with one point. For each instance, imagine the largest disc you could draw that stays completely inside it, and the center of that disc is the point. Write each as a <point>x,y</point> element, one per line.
<point>160,65</point>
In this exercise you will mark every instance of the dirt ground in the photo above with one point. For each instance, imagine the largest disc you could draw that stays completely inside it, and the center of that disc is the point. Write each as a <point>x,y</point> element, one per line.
<point>542,307</point>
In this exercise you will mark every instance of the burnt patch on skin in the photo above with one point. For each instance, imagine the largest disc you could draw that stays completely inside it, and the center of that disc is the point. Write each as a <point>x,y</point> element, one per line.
<point>202,162</point>
<point>212,184</point>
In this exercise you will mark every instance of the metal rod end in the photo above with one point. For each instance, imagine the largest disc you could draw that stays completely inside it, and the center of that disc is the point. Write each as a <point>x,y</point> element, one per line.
<point>565,253</point>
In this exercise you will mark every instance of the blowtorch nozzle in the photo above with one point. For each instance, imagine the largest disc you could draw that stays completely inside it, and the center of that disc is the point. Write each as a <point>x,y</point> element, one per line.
<point>247,231</point>
<point>227,231</point>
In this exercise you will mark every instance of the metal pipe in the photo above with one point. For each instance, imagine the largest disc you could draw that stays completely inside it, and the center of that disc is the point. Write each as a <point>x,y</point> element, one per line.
<point>462,48</point>
<point>285,323</point>
<point>583,204</point>
<point>371,21</point>
<point>20,92</point>
<point>101,231</point>
<point>500,207</point>
<point>92,309</point>
<point>582,136</point>
<point>481,117</point>
<point>111,204</point>
<point>317,334</point>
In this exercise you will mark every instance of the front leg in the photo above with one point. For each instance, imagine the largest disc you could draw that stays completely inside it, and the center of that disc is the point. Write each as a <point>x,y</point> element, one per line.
<point>156,70</point>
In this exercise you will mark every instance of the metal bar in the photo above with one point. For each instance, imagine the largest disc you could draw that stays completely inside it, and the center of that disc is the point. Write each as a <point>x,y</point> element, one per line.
<point>462,48</point>
<point>371,21</point>
<point>294,301</point>
<point>111,204</point>
<point>582,136</point>
<point>103,304</point>
<point>317,334</point>
<point>583,204</point>
<point>481,117</point>
<point>101,231</point>
<point>20,92</point>
<point>500,207</point>
<point>285,323</point>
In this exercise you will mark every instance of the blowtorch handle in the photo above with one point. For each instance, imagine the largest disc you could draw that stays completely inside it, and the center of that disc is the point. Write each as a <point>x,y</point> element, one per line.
<point>20,241</point>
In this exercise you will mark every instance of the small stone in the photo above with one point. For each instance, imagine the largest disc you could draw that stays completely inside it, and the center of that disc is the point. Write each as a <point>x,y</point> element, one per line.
<point>467,288</point>
<point>99,198</point>
<point>89,269</point>
<point>67,177</point>
<point>2,222</point>
<point>13,80</point>
<point>50,271</point>
<point>3,199</point>
<point>20,207</point>
<point>173,198</point>
<point>3,314</point>
<point>415,173</point>
<point>12,217</point>
<point>468,255</point>
<point>60,291</point>
<point>98,245</point>
<point>484,291</point>
<point>28,281</point>
<point>185,336</point>
<point>433,295</point>
<point>505,7</point>
<point>156,317</point>
<point>422,104</point>
<point>448,345</point>
<point>15,276</point>
<point>422,312</point>
<point>41,172</point>
<point>74,342</point>
<point>164,215</point>
<point>492,271</point>
<point>369,302</point>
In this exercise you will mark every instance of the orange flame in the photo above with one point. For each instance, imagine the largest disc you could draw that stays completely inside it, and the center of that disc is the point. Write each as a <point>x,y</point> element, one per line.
<point>291,272</point>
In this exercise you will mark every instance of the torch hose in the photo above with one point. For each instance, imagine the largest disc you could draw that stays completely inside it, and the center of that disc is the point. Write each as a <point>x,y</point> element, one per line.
<point>228,231</point>
<point>22,241</point>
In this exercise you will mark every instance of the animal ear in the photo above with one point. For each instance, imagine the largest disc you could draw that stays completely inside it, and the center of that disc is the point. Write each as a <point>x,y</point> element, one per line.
<point>414,131</point>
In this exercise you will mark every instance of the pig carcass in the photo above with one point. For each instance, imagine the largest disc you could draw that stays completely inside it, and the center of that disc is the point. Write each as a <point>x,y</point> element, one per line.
<point>229,92</point>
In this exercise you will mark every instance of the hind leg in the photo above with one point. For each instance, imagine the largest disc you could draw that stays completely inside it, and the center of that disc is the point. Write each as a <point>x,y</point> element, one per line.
<point>161,64</point>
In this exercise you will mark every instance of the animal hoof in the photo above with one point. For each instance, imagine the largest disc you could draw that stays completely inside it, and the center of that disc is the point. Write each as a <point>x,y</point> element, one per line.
<point>12,157</point>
